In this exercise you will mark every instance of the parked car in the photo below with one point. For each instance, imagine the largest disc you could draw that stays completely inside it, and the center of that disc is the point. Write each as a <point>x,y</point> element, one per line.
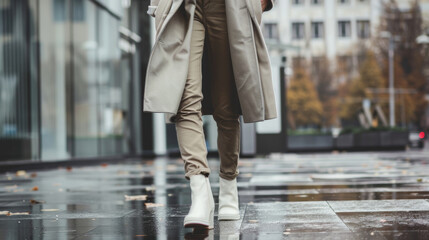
<point>417,139</point>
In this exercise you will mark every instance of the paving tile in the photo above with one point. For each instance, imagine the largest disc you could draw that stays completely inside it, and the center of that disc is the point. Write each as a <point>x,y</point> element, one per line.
<point>293,217</point>
<point>379,205</point>
<point>386,221</point>
<point>334,235</point>
<point>374,189</point>
<point>276,179</point>
<point>67,215</point>
<point>277,192</point>
<point>412,235</point>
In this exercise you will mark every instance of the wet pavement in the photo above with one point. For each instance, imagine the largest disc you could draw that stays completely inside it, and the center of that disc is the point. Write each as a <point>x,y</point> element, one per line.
<point>283,196</point>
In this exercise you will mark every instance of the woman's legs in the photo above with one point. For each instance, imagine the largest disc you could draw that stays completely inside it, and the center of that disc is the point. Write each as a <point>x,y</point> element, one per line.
<point>210,21</point>
<point>189,124</point>
<point>210,17</point>
<point>190,134</point>
<point>223,89</point>
<point>226,107</point>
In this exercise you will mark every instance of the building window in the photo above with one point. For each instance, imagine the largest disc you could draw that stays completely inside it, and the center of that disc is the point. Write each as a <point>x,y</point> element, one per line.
<point>298,31</point>
<point>61,7</point>
<point>297,2</point>
<point>344,29</point>
<point>6,13</point>
<point>298,62</point>
<point>317,30</point>
<point>59,10</point>
<point>271,31</point>
<point>363,29</point>
<point>78,10</point>
<point>316,2</point>
<point>344,1</point>
<point>345,64</point>
<point>317,64</point>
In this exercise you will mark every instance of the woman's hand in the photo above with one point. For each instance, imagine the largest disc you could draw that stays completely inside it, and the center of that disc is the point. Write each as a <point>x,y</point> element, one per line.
<point>264,4</point>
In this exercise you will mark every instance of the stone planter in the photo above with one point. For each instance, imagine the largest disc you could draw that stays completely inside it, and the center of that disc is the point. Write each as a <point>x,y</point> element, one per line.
<point>367,140</point>
<point>345,141</point>
<point>310,143</point>
<point>15,149</point>
<point>393,139</point>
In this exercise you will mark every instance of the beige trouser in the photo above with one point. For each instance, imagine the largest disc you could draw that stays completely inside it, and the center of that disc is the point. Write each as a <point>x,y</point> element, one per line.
<point>209,22</point>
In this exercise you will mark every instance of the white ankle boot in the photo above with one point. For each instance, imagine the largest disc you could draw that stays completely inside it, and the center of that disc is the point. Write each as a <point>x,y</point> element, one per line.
<point>201,213</point>
<point>228,200</point>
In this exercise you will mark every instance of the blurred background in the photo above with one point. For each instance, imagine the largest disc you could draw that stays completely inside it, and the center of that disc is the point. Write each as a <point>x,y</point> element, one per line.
<point>349,75</point>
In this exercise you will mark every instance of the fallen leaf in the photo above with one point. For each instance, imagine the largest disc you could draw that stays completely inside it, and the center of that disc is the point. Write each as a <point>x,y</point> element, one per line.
<point>151,205</point>
<point>36,188</point>
<point>171,168</point>
<point>419,179</point>
<point>32,201</point>
<point>120,172</point>
<point>104,164</point>
<point>18,213</point>
<point>69,168</point>
<point>50,210</point>
<point>149,163</point>
<point>21,173</point>
<point>33,175</point>
<point>136,198</point>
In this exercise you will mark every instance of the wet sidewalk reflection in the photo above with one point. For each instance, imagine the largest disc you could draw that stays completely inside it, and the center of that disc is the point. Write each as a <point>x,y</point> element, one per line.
<point>317,196</point>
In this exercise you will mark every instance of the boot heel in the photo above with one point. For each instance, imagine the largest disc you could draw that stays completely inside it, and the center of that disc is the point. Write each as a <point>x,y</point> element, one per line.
<point>211,219</point>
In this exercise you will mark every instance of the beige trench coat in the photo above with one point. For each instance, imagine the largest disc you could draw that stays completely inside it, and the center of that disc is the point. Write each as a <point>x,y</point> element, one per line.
<point>168,63</point>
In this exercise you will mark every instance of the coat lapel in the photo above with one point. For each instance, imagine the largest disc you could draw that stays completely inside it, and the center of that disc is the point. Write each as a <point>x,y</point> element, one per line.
<point>263,62</point>
<point>244,59</point>
<point>168,62</point>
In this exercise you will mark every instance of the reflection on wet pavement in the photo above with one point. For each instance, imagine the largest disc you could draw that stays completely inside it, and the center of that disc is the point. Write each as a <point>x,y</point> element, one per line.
<point>318,196</point>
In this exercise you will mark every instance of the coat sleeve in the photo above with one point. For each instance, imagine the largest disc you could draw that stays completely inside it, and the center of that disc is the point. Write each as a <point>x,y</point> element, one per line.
<point>152,7</point>
<point>270,5</point>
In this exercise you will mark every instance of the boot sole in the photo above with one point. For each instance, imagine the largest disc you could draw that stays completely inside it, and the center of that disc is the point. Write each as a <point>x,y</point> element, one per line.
<point>197,225</point>
<point>228,217</point>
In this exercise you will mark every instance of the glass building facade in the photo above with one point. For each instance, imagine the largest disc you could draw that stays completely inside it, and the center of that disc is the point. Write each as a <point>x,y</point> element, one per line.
<point>71,78</point>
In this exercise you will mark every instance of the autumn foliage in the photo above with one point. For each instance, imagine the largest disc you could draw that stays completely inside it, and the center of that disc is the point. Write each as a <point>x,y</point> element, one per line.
<point>305,108</point>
